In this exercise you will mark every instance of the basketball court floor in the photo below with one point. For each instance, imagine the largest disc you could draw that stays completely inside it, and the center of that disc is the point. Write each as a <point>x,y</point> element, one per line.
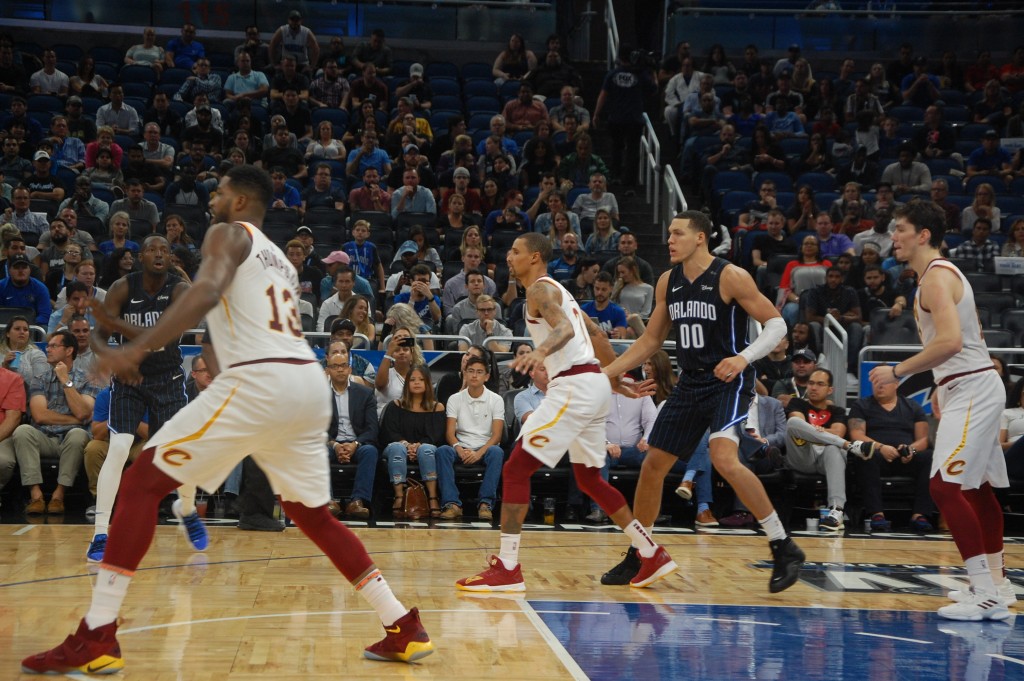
<point>270,606</point>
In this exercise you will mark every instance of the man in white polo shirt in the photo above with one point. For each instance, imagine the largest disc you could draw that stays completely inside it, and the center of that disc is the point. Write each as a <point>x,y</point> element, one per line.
<point>476,421</point>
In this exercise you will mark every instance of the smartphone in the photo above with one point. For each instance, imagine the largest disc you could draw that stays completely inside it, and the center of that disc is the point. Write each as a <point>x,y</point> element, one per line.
<point>407,342</point>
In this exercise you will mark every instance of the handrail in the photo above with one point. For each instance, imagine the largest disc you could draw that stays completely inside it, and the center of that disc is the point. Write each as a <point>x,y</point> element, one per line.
<point>613,33</point>
<point>835,340</point>
<point>674,201</point>
<point>949,10</point>
<point>650,165</point>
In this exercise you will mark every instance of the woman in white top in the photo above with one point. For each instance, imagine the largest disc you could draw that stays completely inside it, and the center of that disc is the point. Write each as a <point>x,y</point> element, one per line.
<point>984,206</point>
<point>402,354</point>
<point>324,145</point>
<point>630,291</point>
<point>148,53</point>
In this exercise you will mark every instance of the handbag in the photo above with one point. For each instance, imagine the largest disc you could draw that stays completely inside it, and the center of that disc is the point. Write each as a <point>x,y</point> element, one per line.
<point>416,505</point>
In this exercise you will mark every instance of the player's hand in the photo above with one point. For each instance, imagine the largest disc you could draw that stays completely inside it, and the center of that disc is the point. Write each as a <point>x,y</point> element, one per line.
<point>730,368</point>
<point>122,362</point>
<point>627,387</point>
<point>524,364</point>
<point>882,375</point>
<point>99,313</point>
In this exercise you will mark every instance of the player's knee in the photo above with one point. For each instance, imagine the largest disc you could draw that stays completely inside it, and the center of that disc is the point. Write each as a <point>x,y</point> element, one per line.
<point>658,462</point>
<point>726,463</point>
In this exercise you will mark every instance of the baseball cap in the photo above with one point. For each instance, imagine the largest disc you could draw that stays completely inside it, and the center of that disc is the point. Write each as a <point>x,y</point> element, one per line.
<point>74,99</point>
<point>409,147</point>
<point>416,70</point>
<point>18,259</point>
<point>342,325</point>
<point>304,230</point>
<point>805,354</point>
<point>336,256</point>
<point>40,156</point>
<point>408,247</point>
<point>295,14</point>
<point>991,134</point>
<point>461,172</point>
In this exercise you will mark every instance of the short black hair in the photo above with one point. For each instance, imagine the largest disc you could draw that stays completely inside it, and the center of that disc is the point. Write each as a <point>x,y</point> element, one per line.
<point>535,242</point>
<point>606,277</point>
<point>419,268</point>
<point>827,373</point>
<point>473,359</point>
<point>252,182</point>
<point>698,221</point>
<point>68,340</point>
<point>924,215</point>
<point>73,287</point>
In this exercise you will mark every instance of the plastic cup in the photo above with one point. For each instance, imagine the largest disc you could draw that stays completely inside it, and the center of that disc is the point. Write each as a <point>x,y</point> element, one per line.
<point>812,524</point>
<point>549,511</point>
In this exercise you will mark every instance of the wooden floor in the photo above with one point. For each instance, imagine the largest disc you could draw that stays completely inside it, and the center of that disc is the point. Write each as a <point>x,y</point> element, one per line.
<point>270,606</point>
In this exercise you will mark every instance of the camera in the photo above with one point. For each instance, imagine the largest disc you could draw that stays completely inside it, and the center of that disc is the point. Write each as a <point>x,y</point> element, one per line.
<point>406,342</point>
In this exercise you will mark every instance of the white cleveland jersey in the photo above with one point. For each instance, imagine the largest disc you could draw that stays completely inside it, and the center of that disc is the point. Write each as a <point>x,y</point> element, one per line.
<point>257,317</point>
<point>974,355</point>
<point>578,349</point>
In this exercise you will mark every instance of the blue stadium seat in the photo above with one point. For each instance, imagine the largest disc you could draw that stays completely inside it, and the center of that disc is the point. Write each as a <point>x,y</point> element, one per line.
<point>479,88</point>
<point>477,70</point>
<point>446,102</point>
<point>135,73</point>
<point>337,117</point>
<point>440,69</point>
<point>819,182</point>
<point>445,86</point>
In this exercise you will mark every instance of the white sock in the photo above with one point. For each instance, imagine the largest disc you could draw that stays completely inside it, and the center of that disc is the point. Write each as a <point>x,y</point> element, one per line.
<point>109,480</point>
<point>187,494</point>
<point>640,538</point>
<point>773,526</point>
<point>107,596</point>
<point>509,552</point>
<point>997,567</point>
<point>378,594</point>
<point>979,574</point>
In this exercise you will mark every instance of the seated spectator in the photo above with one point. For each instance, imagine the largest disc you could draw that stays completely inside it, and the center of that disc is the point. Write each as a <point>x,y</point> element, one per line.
<point>552,75</point>
<point>485,326</point>
<point>344,283</point>
<point>118,264</point>
<point>841,301</point>
<point>939,194</point>
<point>203,81</point>
<point>146,53</point>
<point>983,206</point>
<point>247,82</point>
<point>12,407</point>
<point>371,196</point>
<point>373,51</point>
<point>581,165</point>
<point>773,241</point>
<point>524,112</point>
<point>632,293</point>
<point>183,52</point>
<point>76,305</point>
<point>408,129</point>
<point>979,248</point>
<point>363,254</point>
<point>851,194</point>
<point>755,213</point>
<point>723,155</point>
<point>283,155</point>
<point>60,402</point>
<point>990,159</point>
<point>401,354</point>
<point>19,354</point>
<point>566,106</point>
<point>118,116</point>
<point>782,122</point>
<point>608,315</point>
<point>994,108</point>
<point>457,286</point>
<point>352,435</point>
<point>804,364</point>
<point>285,196</point>
<point>186,190</point>
<point>20,289</point>
<point>321,193</point>
<point>810,256</point>
<point>556,204</point>
<point>420,296</point>
<point>476,422</point>
<point>907,175</point>
<point>831,243</point>
<point>564,266</point>
<point>773,368</point>
<point>465,309</point>
<point>898,427</point>
<point>331,89</point>
<point>412,197</point>
<point>815,435</point>
<point>920,88</point>
<point>877,294</point>
<point>760,449</point>
<point>51,81</point>
<point>514,62</point>
<point>581,285</point>
<point>605,237</point>
<point>414,426</point>
<point>136,205</point>
<point>1014,246</point>
<point>343,336</point>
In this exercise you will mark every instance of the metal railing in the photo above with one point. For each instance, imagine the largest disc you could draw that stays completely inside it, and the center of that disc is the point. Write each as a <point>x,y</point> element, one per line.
<point>672,202</point>
<point>834,346</point>
<point>650,165</point>
<point>613,33</point>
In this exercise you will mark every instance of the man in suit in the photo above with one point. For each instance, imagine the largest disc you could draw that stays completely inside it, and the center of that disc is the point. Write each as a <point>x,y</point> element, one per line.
<point>352,437</point>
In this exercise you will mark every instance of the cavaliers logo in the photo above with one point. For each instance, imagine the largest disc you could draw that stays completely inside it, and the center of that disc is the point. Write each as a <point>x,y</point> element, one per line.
<point>955,467</point>
<point>176,457</point>
<point>539,440</point>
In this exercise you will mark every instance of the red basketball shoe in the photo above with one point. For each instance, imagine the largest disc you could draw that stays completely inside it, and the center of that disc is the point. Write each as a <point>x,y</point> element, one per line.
<point>406,640</point>
<point>494,578</point>
<point>652,569</point>
<point>87,651</point>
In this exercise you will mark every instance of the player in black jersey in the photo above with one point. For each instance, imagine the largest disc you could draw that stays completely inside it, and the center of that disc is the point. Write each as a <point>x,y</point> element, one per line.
<point>134,303</point>
<point>706,301</point>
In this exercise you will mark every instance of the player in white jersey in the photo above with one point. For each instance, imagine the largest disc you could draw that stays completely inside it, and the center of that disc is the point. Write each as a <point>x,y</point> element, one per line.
<point>271,400</point>
<point>967,461</point>
<point>571,417</point>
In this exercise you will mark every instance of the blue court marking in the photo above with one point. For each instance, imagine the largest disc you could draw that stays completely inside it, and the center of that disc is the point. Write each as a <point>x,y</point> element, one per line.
<point>647,641</point>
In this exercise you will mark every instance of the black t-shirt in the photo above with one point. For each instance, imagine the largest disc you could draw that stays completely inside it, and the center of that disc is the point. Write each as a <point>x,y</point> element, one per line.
<point>768,246</point>
<point>894,427</point>
<point>824,417</point>
<point>769,371</point>
<point>869,302</point>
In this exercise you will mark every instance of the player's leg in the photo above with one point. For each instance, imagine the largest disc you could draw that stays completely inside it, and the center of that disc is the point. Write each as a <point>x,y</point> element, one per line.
<point>990,518</point>
<point>107,484</point>
<point>94,648</point>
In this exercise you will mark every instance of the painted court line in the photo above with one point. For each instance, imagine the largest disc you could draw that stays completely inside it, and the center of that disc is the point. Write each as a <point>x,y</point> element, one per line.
<point>894,638</point>
<point>575,671</point>
<point>24,530</point>
<point>722,619</point>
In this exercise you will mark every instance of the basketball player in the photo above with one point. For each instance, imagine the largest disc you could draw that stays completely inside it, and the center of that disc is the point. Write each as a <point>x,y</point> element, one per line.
<point>132,304</point>
<point>706,300</point>
<point>247,291</point>
<point>967,461</point>
<point>572,417</point>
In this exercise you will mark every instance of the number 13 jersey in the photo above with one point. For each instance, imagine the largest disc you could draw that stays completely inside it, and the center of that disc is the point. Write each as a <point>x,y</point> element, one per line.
<point>257,317</point>
<point>707,329</point>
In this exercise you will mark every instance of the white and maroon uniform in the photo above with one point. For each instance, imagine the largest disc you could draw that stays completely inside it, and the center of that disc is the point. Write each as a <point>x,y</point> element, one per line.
<point>271,399</point>
<point>970,396</point>
<point>574,410</point>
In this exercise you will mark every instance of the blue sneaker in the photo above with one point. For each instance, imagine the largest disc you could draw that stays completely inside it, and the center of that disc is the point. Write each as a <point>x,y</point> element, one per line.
<point>879,523</point>
<point>921,524</point>
<point>193,527</point>
<point>96,549</point>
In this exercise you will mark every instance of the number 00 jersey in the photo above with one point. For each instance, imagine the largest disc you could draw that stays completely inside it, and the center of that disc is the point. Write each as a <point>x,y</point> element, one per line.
<point>707,329</point>
<point>578,350</point>
<point>257,317</point>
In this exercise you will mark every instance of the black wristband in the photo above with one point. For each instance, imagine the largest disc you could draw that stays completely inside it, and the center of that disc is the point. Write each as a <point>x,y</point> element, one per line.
<point>894,374</point>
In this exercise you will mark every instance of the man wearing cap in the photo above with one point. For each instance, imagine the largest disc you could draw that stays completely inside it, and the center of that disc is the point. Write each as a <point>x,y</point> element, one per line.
<point>83,202</point>
<point>461,178</point>
<point>304,235</point>
<point>320,194</point>
<point>344,289</point>
<point>920,88</point>
<point>524,112</point>
<point>331,90</point>
<point>907,175</point>
<point>411,197</point>
<point>804,364</point>
<point>375,52</point>
<point>184,51</point>
<point>416,89</point>
<point>19,289</point>
<point>123,118</point>
<point>991,158</point>
<point>296,41</point>
<point>412,158</point>
<point>79,127</point>
<point>371,196</point>
<point>401,281</point>
<point>42,184</point>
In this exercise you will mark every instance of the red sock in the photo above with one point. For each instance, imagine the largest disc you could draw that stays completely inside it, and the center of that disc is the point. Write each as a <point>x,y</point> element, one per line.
<point>515,476</point>
<point>960,516</point>
<point>591,483</point>
<point>131,532</point>
<point>338,542</point>
<point>990,516</point>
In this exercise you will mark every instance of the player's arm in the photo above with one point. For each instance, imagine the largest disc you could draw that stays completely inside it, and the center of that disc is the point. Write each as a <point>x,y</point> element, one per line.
<point>210,358</point>
<point>545,301</point>
<point>658,327</point>
<point>939,293</point>
<point>108,313</point>
<point>224,248</point>
<point>737,285</point>
<point>602,346</point>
